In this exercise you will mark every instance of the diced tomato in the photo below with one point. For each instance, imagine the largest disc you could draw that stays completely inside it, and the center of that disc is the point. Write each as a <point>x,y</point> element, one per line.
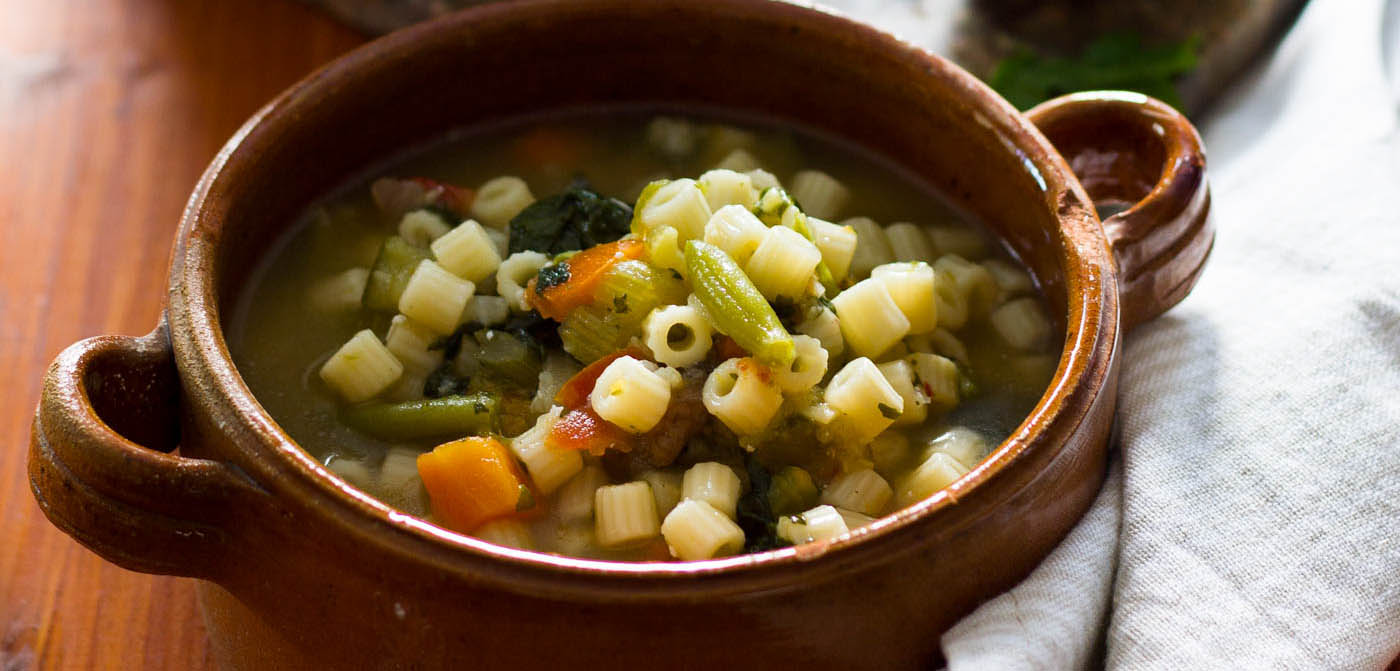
<point>586,271</point>
<point>583,429</point>
<point>456,198</point>
<point>725,348</point>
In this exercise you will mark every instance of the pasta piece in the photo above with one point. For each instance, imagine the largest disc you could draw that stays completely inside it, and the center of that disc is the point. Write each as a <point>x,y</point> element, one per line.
<point>807,367</point>
<point>398,484</point>
<point>340,292</point>
<point>408,388</point>
<point>352,471</point>
<point>911,287</point>
<point>1022,324</point>
<point>727,187</point>
<point>679,204</point>
<point>865,399</point>
<point>939,341</point>
<point>937,379</point>
<point>695,530</point>
<point>487,310</point>
<point>467,252</point>
<point>435,298</point>
<point>823,325</point>
<point>624,514</point>
<point>961,443</point>
<point>908,242</point>
<point>740,394</point>
<point>548,466</point>
<point>506,531</point>
<point>952,308</point>
<point>362,368</point>
<point>666,488</point>
<point>714,483</point>
<point>734,229</point>
<point>872,247</point>
<point>677,335</point>
<point>673,138</point>
<point>890,452</point>
<point>818,524</point>
<point>574,501</point>
<point>763,180</point>
<point>421,227</point>
<point>1010,278</point>
<point>664,250</point>
<point>500,199</point>
<point>784,263</point>
<point>975,283</point>
<point>501,238</point>
<point>936,472</point>
<point>900,375</point>
<point>630,395</point>
<point>870,320</point>
<point>837,244</point>
<point>576,540</point>
<point>820,194</point>
<point>512,275</point>
<point>861,491</point>
<point>853,519</point>
<point>411,343</point>
<point>957,239</point>
<point>738,160</point>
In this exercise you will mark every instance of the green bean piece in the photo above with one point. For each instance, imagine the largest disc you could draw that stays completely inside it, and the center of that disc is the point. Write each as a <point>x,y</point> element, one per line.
<point>735,304</point>
<point>393,267</point>
<point>449,416</point>
<point>792,491</point>
<point>508,358</point>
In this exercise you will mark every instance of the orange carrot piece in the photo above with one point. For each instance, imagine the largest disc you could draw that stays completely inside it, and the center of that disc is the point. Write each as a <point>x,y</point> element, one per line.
<point>470,481</point>
<point>586,271</point>
<point>574,393</point>
<point>583,429</point>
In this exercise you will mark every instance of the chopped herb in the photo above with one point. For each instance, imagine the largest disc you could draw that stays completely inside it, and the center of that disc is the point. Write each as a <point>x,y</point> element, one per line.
<point>1113,61</point>
<point>754,514</point>
<point>620,304</point>
<point>575,219</point>
<point>889,412</point>
<point>676,274</point>
<point>551,276</point>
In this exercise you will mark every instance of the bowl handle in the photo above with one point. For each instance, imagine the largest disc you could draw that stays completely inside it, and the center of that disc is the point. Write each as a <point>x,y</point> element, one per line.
<point>1143,162</point>
<point>100,464</point>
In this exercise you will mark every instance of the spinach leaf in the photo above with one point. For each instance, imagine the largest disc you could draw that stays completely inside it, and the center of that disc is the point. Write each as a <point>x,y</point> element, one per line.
<point>575,219</point>
<point>1113,61</point>
<point>754,514</point>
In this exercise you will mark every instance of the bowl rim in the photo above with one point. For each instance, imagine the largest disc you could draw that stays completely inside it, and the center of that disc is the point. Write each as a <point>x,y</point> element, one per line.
<point>275,461</point>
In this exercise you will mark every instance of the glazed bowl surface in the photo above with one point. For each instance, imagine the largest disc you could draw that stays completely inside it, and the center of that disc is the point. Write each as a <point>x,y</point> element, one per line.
<point>153,451</point>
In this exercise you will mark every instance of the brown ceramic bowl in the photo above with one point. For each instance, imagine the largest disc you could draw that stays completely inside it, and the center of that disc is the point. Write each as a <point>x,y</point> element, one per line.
<point>299,570</point>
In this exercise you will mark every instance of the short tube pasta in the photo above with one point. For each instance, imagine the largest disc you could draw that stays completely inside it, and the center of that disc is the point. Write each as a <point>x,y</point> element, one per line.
<point>872,247</point>
<point>340,292</point>
<point>865,399</point>
<point>823,325</point>
<point>960,240</point>
<point>961,443</point>
<point>821,523</point>
<point>467,252</point>
<point>421,227</point>
<point>870,319</point>
<point>738,394</point>
<point>738,160</point>
<point>937,378</point>
<point>677,335</point>
<point>714,483</point>
<point>630,395</point>
<point>837,244</point>
<point>695,530</point>
<point>506,531</point>
<point>574,500</point>
<point>548,466</point>
<point>679,204</point>
<point>435,298</point>
<point>514,273</point>
<point>900,374</point>
<point>937,471</point>
<point>973,280</point>
<point>412,344</point>
<point>861,491</point>
<point>763,180</point>
<point>500,199</point>
<point>487,310</point>
<point>727,187</point>
<point>666,488</point>
<point>362,368</point>
<point>820,194</point>
<point>908,242</point>
<point>807,367</point>
<point>735,230</point>
<point>783,264</point>
<point>911,285</point>
<point>1021,323</point>
<point>624,514</point>
<point>1010,278</point>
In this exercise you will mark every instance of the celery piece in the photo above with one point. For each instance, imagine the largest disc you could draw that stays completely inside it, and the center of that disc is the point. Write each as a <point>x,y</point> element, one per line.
<point>392,269</point>
<point>735,305</point>
<point>472,414</point>
<point>507,358</point>
<point>624,298</point>
<point>792,491</point>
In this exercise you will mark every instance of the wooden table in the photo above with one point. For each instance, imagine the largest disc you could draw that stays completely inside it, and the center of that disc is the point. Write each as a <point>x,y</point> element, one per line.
<point>109,111</point>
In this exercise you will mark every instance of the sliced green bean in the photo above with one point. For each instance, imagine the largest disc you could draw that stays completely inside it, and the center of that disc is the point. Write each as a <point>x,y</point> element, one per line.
<point>507,357</point>
<point>735,304</point>
<point>449,416</point>
<point>393,267</point>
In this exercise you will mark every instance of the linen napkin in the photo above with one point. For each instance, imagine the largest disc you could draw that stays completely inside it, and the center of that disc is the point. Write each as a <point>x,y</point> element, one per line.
<point>1252,518</point>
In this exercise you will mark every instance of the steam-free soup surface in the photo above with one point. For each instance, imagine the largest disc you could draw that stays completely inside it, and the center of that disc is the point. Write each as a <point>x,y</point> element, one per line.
<point>643,337</point>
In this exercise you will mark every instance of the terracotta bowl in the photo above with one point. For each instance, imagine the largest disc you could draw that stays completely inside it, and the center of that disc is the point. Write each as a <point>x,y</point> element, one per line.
<point>299,570</point>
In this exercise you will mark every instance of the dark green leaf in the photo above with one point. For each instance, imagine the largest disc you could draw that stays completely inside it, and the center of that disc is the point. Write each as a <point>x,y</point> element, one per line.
<point>575,219</point>
<point>1114,61</point>
<point>551,276</point>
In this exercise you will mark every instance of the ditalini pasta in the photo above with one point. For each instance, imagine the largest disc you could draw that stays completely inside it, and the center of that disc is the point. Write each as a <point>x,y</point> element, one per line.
<point>665,354</point>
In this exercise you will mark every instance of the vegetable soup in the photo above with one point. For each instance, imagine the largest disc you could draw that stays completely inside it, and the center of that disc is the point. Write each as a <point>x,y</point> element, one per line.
<point>639,337</point>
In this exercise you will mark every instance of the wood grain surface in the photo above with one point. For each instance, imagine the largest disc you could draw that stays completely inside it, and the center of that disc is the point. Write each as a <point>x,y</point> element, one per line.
<point>109,111</point>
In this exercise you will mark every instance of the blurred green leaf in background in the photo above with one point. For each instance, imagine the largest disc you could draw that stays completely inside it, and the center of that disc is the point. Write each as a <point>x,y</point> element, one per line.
<point>1116,61</point>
